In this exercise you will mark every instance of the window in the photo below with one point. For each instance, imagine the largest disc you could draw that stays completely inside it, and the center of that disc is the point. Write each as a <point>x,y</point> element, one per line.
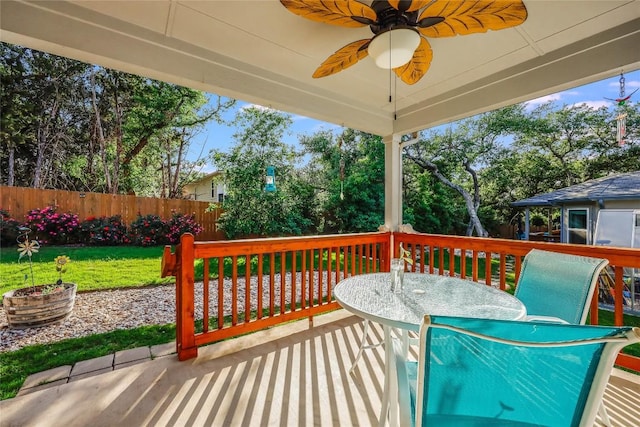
<point>578,231</point>
<point>221,197</point>
<point>214,187</point>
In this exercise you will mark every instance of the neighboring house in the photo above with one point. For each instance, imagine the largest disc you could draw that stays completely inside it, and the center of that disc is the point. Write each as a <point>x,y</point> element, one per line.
<point>579,204</point>
<point>209,188</point>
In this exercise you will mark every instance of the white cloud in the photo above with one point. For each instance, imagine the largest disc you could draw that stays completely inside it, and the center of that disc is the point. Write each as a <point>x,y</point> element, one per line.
<point>257,107</point>
<point>543,100</point>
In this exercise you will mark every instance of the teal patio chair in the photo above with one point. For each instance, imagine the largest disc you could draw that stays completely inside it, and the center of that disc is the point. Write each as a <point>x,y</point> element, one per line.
<point>481,372</point>
<point>558,287</point>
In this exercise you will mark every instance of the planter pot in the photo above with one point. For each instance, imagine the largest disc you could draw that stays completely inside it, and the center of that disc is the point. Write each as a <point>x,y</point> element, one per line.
<point>34,310</point>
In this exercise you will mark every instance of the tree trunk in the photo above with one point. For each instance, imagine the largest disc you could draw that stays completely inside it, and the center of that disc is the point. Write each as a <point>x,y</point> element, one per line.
<point>11,172</point>
<point>100,134</point>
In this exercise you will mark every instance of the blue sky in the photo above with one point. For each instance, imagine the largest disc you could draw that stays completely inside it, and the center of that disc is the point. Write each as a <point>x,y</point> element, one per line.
<point>594,94</point>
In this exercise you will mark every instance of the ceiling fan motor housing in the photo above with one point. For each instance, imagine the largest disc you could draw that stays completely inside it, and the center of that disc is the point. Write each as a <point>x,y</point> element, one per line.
<point>390,18</point>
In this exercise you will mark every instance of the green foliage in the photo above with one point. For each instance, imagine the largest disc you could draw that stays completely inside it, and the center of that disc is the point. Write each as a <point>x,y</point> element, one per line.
<point>104,231</point>
<point>8,228</point>
<point>355,160</point>
<point>70,125</point>
<point>249,209</point>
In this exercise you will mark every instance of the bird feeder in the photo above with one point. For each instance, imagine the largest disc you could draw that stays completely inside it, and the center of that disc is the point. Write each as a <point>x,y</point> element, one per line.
<point>270,180</point>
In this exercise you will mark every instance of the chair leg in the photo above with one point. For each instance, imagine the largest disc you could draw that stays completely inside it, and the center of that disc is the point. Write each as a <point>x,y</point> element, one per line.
<point>604,417</point>
<point>363,345</point>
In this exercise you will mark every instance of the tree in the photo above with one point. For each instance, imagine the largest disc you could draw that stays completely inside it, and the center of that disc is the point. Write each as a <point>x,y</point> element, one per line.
<point>249,209</point>
<point>40,118</point>
<point>348,177</point>
<point>70,125</point>
<point>456,156</point>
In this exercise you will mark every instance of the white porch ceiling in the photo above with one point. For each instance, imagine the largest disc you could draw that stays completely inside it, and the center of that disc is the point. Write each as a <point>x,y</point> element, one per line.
<point>259,52</point>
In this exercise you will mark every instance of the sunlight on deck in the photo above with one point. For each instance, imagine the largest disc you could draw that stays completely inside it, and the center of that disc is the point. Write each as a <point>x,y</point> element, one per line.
<point>287,375</point>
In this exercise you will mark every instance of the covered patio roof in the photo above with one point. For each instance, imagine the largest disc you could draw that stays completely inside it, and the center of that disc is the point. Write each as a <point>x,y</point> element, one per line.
<point>259,52</point>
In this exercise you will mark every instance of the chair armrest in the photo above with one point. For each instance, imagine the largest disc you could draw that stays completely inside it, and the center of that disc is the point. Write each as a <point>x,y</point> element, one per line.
<point>549,319</point>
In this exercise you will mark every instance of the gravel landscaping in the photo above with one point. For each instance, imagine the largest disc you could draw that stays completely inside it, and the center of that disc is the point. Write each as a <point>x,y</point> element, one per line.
<point>105,311</point>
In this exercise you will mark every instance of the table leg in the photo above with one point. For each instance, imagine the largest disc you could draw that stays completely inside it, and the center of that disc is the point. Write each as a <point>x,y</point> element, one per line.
<point>388,353</point>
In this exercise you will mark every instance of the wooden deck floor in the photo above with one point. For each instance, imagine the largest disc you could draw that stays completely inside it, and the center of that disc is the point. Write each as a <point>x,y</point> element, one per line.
<point>289,375</point>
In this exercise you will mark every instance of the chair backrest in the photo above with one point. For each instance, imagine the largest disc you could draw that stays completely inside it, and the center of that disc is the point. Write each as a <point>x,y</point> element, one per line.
<point>558,285</point>
<point>495,372</point>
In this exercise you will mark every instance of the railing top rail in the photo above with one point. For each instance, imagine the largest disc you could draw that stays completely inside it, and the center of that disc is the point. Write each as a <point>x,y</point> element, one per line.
<point>283,244</point>
<point>628,257</point>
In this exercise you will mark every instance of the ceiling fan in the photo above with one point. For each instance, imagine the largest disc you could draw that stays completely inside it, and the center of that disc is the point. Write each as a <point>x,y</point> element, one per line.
<point>401,27</point>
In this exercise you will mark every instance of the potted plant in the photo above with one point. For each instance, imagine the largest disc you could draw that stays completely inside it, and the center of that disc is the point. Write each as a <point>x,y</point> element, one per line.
<point>38,305</point>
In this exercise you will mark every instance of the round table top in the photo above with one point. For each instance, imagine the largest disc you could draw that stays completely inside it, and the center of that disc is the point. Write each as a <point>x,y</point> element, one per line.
<point>370,296</point>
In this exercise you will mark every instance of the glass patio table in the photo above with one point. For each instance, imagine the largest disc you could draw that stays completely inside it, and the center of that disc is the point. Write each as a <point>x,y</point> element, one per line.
<point>370,297</point>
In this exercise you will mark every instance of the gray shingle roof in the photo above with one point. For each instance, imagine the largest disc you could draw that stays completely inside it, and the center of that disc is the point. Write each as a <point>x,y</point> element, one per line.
<point>619,186</point>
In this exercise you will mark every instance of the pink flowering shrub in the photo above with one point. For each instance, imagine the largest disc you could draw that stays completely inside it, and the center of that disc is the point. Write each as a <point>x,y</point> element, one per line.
<point>104,231</point>
<point>151,230</point>
<point>52,227</point>
<point>180,224</point>
<point>148,230</point>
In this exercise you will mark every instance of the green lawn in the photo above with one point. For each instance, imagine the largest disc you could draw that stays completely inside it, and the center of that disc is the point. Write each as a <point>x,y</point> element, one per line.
<point>92,267</point>
<point>100,268</point>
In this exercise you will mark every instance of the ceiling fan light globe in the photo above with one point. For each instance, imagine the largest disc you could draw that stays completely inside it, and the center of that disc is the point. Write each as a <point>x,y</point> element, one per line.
<point>394,48</point>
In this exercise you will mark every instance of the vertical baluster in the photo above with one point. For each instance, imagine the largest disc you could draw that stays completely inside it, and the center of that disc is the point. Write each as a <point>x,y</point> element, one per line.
<point>503,271</point>
<point>260,291</point>
<point>220,292</point>
<point>294,275</point>
<point>474,266</point>
<point>487,268</point>
<point>463,263</point>
<point>234,290</point>
<point>312,274</point>
<point>205,296</point>
<point>247,288</point>
<point>303,282</point>
<point>272,268</point>
<point>283,266</point>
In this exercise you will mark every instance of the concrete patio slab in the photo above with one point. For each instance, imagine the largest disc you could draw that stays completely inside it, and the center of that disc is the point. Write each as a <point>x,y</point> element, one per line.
<point>24,391</point>
<point>93,365</point>
<point>133,354</point>
<point>163,349</point>
<point>61,372</point>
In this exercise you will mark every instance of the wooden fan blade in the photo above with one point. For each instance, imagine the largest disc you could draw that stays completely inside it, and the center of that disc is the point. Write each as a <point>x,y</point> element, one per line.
<point>413,5</point>
<point>469,17</point>
<point>344,58</point>
<point>413,71</point>
<point>344,13</point>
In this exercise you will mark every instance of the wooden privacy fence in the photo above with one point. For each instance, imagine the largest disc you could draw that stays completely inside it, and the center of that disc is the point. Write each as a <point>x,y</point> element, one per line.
<point>20,200</point>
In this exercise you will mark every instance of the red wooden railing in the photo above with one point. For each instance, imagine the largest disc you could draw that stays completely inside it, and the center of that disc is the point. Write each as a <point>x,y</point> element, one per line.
<point>425,248</point>
<point>290,278</point>
<point>276,295</point>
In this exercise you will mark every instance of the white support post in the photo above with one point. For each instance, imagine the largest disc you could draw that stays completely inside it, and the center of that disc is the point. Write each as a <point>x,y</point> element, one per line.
<point>392,182</point>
